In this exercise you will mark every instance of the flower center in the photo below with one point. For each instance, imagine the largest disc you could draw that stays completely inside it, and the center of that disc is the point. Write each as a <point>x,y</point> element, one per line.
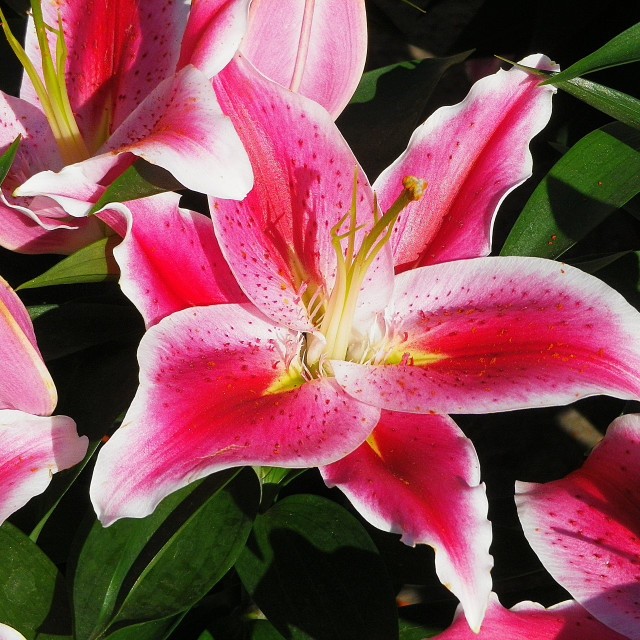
<point>352,266</point>
<point>51,88</point>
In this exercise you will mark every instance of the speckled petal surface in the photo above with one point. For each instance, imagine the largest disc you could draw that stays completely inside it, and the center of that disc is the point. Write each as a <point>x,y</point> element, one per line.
<point>32,448</point>
<point>169,259</point>
<point>531,621</point>
<point>331,54</point>
<point>179,127</point>
<point>215,393</point>
<point>497,334</point>
<point>118,51</point>
<point>420,476</point>
<point>585,528</point>
<point>277,240</point>
<point>472,155</point>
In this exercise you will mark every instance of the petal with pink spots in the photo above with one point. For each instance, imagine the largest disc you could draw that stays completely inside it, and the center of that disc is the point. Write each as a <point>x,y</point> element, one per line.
<point>277,240</point>
<point>420,476</point>
<point>497,334</point>
<point>472,155</point>
<point>215,392</point>
<point>169,258</point>
<point>585,528</point>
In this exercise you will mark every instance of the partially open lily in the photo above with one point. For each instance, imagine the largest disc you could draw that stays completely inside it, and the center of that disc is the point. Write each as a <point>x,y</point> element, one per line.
<point>323,356</point>
<point>585,528</point>
<point>316,47</point>
<point>33,444</point>
<point>130,83</point>
<point>105,83</point>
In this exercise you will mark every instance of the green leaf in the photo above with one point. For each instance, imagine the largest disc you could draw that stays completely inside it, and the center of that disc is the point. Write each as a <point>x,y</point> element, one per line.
<point>151,568</point>
<point>598,175</point>
<point>93,263</point>
<point>6,159</point>
<point>32,593</point>
<point>151,630</point>
<point>614,103</point>
<point>416,631</point>
<point>622,49</point>
<point>315,573</point>
<point>140,180</point>
<point>387,106</point>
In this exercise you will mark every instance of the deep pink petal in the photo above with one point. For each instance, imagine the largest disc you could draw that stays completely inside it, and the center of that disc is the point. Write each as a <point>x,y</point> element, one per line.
<point>169,259</point>
<point>179,127</point>
<point>419,476</point>
<point>118,51</point>
<point>22,233</point>
<point>497,334</point>
<point>25,383</point>
<point>214,394</point>
<point>586,528</point>
<point>531,621</point>
<point>213,34</point>
<point>471,154</point>
<point>331,55</point>
<point>31,449</point>
<point>278,238</point>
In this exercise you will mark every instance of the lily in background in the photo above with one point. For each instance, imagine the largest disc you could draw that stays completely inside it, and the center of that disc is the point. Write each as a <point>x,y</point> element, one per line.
<point>129,83</point>
<point>8,633</point>
<point>585,529</point>
<point>323,325</point>
<point>33,443</point>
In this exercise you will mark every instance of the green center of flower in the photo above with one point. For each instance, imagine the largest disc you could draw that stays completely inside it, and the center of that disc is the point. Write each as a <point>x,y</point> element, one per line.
<point>51,88</point>
<point>352,266</point>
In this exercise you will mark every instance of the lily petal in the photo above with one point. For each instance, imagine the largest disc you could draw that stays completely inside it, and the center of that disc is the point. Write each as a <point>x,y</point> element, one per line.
<point>179,127</point>
<point>32,449</point>
<point>324,42</point>
<point>116,50</point>
<point>585,528</point>
<point>497,334</point>
<point>531,621</point>
<point>277,240</point>
<point>472,155</point>
<point>215,393</point>
<point>169,258</point>
<point>22,231</point>
<point>420,476</point>
<point>213,34</point>
<point>25,383</point>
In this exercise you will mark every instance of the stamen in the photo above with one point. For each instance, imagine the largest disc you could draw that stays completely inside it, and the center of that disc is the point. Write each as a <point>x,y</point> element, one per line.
<point>51,90</point>
<point>352,267</point>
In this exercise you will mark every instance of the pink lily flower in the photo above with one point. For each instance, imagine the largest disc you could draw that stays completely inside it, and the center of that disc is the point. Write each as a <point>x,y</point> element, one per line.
<point>123,86</point>
<point>156,90</point>
<point>34,444</point>
<point>323,355</point>
<point>585,528</point>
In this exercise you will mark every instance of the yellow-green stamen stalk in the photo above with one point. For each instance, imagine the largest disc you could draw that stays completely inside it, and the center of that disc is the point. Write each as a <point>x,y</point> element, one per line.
<point>51,89</point>
<point>352,267</point>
